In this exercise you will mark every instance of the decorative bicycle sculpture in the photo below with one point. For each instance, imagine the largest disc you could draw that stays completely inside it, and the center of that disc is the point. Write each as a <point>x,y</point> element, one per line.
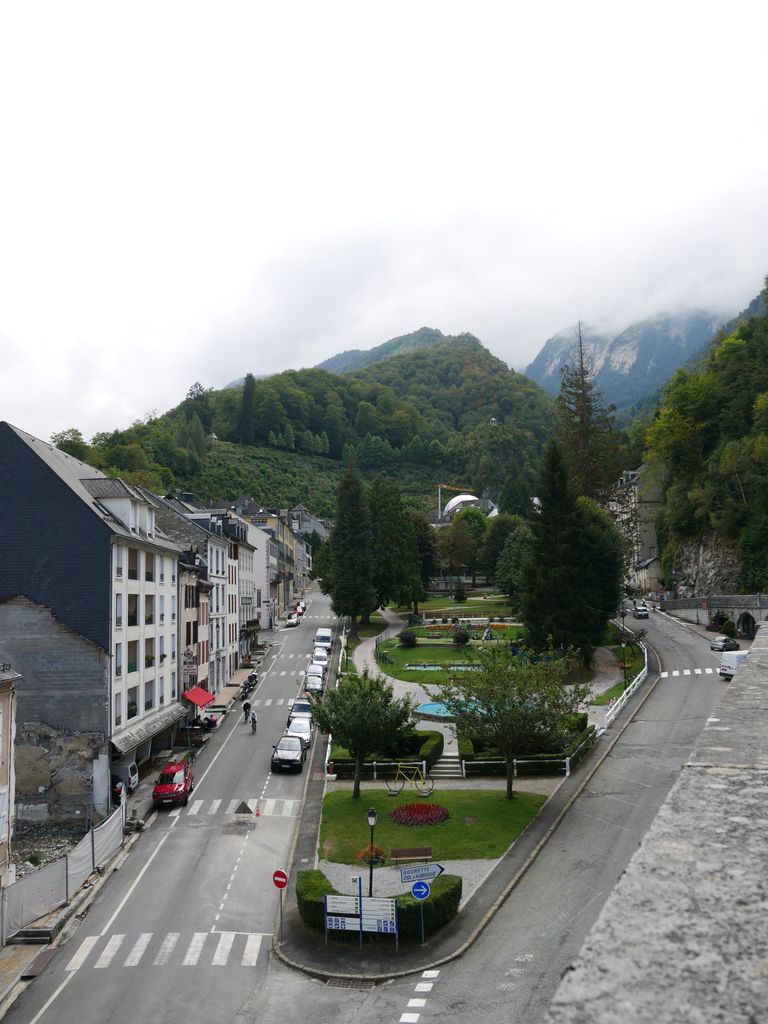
<point>414,776</point>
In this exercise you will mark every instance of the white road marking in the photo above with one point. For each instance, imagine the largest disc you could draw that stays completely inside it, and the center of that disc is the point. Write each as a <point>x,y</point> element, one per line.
<point>80,956</point>
<point>251,951</point>
<point>139,948</point>
<point>709,671</point>
<point>223,949</point>
<point>195,807</point>
<point>663,675</point>
<point>430,974</point>
<point>215,804</point>
<point>686,671</point>
<point>697,671</point>
<point>676,673</point>
<point>268,701</point>
<point>168,946</point>
<point>109,951</point>
<point>195,949</point>
<point>423,986</point>
<point>417,1003</point>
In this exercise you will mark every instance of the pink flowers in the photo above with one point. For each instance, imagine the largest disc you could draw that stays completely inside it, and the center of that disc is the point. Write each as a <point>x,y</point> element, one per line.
<point>419,814</point>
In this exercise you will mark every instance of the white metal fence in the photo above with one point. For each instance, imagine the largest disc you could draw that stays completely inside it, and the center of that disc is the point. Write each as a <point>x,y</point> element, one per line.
<point>54,885</point>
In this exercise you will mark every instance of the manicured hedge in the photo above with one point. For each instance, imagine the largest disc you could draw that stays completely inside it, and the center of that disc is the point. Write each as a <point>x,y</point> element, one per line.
<point>418,745</point>
<point>538,764</point>
<point>442,906</point>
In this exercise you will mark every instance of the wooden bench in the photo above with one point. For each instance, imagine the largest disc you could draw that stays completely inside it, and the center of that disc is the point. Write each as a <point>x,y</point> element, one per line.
<point>404,853</point>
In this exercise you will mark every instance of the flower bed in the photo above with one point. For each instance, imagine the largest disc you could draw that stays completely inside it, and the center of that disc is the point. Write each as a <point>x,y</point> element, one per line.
<point>419,814</point>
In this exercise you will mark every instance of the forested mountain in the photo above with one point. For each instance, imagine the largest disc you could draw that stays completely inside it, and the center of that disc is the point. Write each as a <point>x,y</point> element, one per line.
<point>633,364</point>
<point>710,441</point>
<point>449,411</point>
<point>357,359</point>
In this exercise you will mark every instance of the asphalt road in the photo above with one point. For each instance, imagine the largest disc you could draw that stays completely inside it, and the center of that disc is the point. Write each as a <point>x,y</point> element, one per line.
<point>206,878</point>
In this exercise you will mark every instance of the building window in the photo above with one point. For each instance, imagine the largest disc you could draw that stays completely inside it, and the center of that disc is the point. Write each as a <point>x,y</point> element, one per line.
<point>162,569</point>
<point>173,686</point>
<point>149,567</point>
<point>149,611</point>
<point>119,562</point>
<point>149,695</point>
<point>133,702</point>
<point>133,656</point>
<point>258,598</point>
<point>161,690</point>
<point>118,709</point>
<point>173,647</point>
<point>118,659</point>
<point>162,609</point>
<point>162,648</point>
<point>118,611</point>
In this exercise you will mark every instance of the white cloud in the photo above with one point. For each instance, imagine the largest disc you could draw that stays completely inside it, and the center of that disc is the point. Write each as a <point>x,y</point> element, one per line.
<point>190,192</point>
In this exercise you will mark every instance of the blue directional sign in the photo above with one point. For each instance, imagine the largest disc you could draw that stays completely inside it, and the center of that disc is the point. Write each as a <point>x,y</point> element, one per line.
<point>420,890</point>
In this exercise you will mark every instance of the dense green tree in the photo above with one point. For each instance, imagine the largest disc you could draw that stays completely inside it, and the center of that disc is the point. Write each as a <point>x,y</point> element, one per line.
<point>245,417</point>
<point>73,443</point>
<point>584,430</point>
<point>363,716</point>
<point>509,565</point>
<point>477,521</point>
<point>550,601</point>
<point>602,563</point>
<point>517,704</point>
<point>456,547</point>
<point>352,591</point>
<point>426,546</point>
<point>498,529</point>
<point>394,553</point>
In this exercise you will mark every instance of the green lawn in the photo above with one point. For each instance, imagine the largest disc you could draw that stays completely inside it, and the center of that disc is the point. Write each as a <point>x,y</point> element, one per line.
<point>482,824</point>
<point>398,657</point>
<point>473,607</point>
<point>635,662</point>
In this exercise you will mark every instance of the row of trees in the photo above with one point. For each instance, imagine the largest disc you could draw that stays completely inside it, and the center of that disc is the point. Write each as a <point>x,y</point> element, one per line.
<point>380,549</point>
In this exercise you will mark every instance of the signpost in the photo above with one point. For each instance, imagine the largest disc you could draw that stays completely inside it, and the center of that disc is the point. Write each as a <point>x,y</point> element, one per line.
<point>420,891</point>
<point>420,871</point>
<point>280,879</point>
<point>363,913</point>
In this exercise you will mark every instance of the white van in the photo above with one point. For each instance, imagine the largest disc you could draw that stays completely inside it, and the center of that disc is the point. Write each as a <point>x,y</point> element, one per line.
<point>731,662</point>
<point>324,638</point>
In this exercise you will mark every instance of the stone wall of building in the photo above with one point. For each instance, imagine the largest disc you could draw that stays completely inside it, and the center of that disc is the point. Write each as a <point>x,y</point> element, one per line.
<point>61,714</point>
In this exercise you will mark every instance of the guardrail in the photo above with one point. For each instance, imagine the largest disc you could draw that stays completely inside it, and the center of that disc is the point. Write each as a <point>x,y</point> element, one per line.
<point>632,688</point>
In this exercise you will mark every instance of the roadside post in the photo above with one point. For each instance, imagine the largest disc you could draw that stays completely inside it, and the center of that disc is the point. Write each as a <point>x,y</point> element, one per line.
<point>281,880</point>
<point>420,891</point>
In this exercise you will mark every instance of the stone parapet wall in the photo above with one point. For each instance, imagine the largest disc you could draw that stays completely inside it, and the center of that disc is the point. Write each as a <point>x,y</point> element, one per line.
<point>683,935</point>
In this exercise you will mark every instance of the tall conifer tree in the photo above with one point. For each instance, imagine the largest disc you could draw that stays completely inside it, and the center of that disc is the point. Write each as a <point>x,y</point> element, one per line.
<point>247,409</point>
<point>352,591</point>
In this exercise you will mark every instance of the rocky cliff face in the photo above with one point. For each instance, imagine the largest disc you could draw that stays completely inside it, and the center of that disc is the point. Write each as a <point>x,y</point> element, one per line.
<point>709,566</point>
<point>630,365</point>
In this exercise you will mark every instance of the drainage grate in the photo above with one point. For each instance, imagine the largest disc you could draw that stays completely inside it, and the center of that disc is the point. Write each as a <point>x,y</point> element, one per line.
<point>358,984</point>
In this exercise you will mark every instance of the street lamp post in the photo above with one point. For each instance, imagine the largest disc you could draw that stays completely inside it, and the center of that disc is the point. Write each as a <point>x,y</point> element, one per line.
<point>372,823</point>
<point>623,646</point>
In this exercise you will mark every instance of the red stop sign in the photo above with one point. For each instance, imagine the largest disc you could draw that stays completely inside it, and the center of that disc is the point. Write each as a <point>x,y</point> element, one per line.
<point>280,878</point>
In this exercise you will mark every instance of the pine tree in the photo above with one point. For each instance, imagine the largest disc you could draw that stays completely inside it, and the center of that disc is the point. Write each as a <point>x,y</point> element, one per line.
<point>393,545</point>
<point>352,591</point>
<point>584,429</point>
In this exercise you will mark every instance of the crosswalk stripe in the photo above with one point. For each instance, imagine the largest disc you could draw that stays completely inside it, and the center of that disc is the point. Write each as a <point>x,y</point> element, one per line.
<point>280,702</point>
<point>675,673</point>
<point>195,949</point>
<point>697,671</point>
<point>109,951</point>
<point>268,701</point>
<point>251,951</point>
<point>223,949</point>
<point>139,948</point>
<point>174,812</point>
<point>196,805</point>
<point>80,956</point>
<point>232,806</point>
<point>283,673</point>
<point>709,671</point>
<point>168,946</point>
<point>215,804</point>
<point>664,674</point>
<point>291,702</point>
<point>269,807</point>
<point>686,671</point>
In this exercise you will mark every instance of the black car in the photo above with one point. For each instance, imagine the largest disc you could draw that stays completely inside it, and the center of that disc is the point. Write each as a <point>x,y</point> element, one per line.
<point>288,753</point>
<point>723,643</point>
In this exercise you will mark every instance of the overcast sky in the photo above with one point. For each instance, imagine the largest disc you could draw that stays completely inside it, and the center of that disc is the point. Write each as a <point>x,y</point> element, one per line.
<point>190,192</point>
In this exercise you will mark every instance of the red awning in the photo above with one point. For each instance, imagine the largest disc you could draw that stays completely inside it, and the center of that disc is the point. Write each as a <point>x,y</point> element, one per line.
<point>197,695</point>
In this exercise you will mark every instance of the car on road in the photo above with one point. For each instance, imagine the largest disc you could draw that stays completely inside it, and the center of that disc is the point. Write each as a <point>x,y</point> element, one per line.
<point>292,620</point>
<point>128,771</point>
<point>320,656</point>
<point>288,753</point>
<point>640,612</point>
<point>723,643</point>
<point>301,727</point>
<point>174,784</point>
<point>302,706</point>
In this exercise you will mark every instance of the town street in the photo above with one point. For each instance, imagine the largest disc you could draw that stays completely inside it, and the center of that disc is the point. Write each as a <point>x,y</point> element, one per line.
<point>182,932</point>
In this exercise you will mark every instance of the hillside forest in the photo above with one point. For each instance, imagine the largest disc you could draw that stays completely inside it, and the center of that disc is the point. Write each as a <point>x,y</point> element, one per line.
<point>444,409</point>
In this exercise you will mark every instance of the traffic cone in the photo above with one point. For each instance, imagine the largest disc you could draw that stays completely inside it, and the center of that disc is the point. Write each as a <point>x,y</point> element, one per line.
<point>257,813</point>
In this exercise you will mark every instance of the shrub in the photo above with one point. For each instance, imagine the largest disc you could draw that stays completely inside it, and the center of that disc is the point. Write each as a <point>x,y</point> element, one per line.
<point>460,637</point>
<point>459,593</point>
<point>419,814</point>
<point>729,628</point>
<point>371,853</point>
<point>466,749</point>
<point>431,749</point>
<point>407,638</point>
<point>442,906</point>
